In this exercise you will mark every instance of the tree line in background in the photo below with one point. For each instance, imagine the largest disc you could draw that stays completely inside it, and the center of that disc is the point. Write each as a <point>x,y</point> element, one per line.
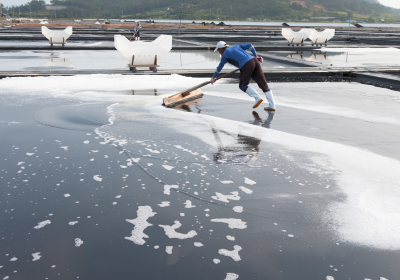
<point>208,9</point>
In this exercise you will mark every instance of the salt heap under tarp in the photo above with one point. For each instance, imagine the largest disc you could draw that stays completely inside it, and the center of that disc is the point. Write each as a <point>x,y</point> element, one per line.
<point>143,54</point>
<point>321,37</point>
<point>57,36</point>
<point>296,38</point>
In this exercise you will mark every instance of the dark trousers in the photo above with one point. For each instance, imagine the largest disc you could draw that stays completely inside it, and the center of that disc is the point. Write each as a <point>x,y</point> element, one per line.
<point>137,34</point>
<point>252,69</point>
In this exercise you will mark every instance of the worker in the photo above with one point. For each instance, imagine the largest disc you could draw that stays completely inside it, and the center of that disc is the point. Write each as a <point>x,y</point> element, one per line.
<point>136,29</point>
<point>250,67</point>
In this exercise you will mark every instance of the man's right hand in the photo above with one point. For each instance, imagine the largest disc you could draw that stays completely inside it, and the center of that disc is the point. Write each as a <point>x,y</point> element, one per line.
<point>213,80</point>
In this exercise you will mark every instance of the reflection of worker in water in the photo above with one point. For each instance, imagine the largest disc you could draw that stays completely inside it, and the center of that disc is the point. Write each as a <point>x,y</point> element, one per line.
<point>250,67</point>
<point>260,122</point>
<point>136,30</point>
<point>241,152</point>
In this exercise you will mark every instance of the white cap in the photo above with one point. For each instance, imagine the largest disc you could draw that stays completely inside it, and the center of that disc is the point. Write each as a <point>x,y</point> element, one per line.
<point>220,45</point>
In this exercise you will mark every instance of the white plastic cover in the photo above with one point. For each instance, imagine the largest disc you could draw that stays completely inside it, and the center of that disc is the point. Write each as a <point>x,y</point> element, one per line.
<point>321,37</point>
<point>144,52</point>
<point>296,37</point>
<point>57,36</point>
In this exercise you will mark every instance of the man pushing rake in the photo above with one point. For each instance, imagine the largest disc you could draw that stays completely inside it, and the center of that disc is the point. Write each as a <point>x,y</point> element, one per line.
<point>250,67</point>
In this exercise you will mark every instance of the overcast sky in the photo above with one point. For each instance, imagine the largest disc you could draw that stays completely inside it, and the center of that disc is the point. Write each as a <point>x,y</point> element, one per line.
<point>390,3</point>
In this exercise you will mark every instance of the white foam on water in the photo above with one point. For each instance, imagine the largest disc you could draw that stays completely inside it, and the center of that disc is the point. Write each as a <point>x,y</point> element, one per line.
<point>97,178</point>
<point>73,223</point>
<point>188,204</point>
<point>6,277</point>
<point>30,154</point>
<point>168,167</point>
<point>330,278</point>
<point>42,224</point>
<point>226,182</point>
<point>156,247</point>
<point>67,195</point>
<point>153,151</point>
<point>167,188</point>
<point>198,244</point>
<point>140,223</point>
<point>64,147</point>
<point>86,142</point>
<point>230,238</point>
<point>249,181</point>
<point>164,204</point>
<point>350,219</point>
<point>234,254</point>
<point>118,196</point>
<point>186,150</point>
<point>168,249</point>
<point>366,202</point>
<point>231,276</point>
<point>94,87</point>
<point>238,209</point>
<point>232,223</point>
<point>216,261</point>
<point>170,231</point>
<point>13,259</point>
<point>225,198</point>
<point>36,256</point>
<point>246,190</point>
<point>78,242</point>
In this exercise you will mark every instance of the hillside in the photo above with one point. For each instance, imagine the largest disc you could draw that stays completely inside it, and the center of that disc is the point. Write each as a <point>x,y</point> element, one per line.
<point>284,10</point>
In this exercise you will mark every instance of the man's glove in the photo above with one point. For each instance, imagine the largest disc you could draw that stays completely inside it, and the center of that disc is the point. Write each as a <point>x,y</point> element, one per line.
<point>213,80</point>
<point>260,59</point>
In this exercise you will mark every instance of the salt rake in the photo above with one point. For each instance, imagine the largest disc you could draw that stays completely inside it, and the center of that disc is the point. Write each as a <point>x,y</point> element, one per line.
<point>189,94</point>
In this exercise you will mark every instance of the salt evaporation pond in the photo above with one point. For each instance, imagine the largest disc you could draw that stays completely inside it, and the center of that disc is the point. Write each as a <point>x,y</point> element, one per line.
<point>45,60</point>
<point>348,57</point>
<point>98,184</point>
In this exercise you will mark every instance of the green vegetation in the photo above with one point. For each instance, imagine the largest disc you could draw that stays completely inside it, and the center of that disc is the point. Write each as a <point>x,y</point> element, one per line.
<point>279,10</point>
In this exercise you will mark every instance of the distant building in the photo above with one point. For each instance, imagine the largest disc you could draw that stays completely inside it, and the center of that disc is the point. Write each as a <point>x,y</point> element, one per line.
<point>249,19</point>
<point>322,17</point>
<point>351,20</point>
<point>52,8</point>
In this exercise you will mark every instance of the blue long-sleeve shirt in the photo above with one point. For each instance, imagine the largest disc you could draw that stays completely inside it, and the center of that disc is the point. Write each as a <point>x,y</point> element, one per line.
<point>236,55</point>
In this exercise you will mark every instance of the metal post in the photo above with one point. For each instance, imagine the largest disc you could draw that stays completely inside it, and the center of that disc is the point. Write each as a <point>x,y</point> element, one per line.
<point>180,21</point>
<point>348,30</point>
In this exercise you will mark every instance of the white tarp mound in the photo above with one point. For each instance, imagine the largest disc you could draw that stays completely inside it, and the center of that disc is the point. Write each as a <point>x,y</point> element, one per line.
<point>294,37</point>
<point>57,36</point>
<point>321,37</point>
<point>144,52</point>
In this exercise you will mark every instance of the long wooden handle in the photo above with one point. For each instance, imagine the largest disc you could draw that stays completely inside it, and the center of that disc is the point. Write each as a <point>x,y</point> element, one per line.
<point>134,34</point>
<point>186,92</point>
